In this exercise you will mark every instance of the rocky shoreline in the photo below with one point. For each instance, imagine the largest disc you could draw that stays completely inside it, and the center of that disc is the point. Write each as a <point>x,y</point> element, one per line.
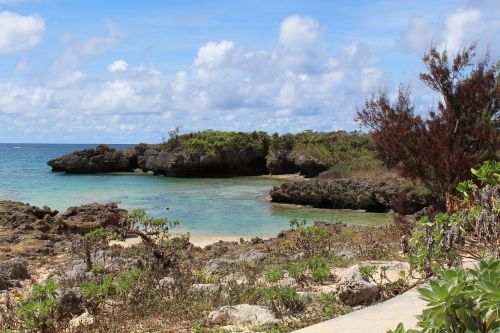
<point>178,163</point>
<point>365,194</point>
<point>41,244</point>
<point>341,193</point>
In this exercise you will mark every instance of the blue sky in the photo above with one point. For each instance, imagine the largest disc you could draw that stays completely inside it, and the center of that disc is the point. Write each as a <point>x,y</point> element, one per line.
<point>129,71</point>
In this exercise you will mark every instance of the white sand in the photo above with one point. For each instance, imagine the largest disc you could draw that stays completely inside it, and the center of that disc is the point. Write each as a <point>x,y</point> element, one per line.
<point>196,240</point>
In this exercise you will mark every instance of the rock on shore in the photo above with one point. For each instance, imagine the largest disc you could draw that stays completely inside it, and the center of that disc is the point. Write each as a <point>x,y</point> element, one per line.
<point>375,196</point>
<point>101,159</point>
<point>162,161</point>
<point>31,231</point>
<point>195,164</point>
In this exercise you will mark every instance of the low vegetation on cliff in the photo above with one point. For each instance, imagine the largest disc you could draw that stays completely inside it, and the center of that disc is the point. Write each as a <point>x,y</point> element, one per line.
<point>216,142</point>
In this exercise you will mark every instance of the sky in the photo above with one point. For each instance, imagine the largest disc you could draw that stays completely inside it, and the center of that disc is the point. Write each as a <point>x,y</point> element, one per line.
<point>112,71</point>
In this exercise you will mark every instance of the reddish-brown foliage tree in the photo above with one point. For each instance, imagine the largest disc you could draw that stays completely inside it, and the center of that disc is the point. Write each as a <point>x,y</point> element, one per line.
<point>461,132</point>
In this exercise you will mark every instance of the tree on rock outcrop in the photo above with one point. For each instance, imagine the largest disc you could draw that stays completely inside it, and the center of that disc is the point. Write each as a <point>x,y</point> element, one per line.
<point>462,131</point>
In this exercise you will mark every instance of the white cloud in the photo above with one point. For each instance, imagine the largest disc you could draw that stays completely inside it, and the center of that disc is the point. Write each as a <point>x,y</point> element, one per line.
<point>462,28</point>
<point>419,35</point>
<point>69,79</point>
<point>78,53</point>
<point>452,31</point>
<point>118,66</point>
<point>298,36</point>
<point>18,33</point>
<point>213,54</point>
<point>294,86</point>
<point>298,33</point>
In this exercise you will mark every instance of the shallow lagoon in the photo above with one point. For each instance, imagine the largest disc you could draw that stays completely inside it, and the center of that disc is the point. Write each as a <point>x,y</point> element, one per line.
<point>222,206</point>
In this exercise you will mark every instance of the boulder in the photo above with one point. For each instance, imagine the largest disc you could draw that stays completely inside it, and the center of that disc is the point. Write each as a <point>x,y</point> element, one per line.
<point>283,161</point>
<point>86,218</point>
<point>100,159</point>
<point>309,296</point>
<point>353,289</point>
<point>166,282</point>
<point>71,303</point>
<point>85,319</point>
<point>5,283</point>
<point>241,314</point>
<point>15,269</point>
<point>196,164</point>
<point>338,193</point>
<point>215,265</point>
<point>208,287</point>
<point>287,282</point>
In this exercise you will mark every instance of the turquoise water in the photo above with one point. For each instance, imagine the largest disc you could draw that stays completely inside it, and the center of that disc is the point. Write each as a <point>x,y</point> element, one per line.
<point>227,206</point>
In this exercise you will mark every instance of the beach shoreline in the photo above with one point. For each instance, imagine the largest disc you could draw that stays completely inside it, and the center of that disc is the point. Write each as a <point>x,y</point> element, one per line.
<point>199,240</point>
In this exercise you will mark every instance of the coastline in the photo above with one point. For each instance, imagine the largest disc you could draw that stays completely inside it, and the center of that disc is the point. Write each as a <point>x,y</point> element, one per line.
<point>199,240</point>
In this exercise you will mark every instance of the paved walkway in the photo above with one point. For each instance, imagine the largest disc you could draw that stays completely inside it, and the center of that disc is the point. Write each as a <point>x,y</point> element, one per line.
<point>375,319</point>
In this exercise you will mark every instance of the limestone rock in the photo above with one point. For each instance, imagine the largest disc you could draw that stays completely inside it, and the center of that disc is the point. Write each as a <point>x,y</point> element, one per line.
<point>86,218</point>
<point>241,314</point>
<point>208,287</point>
<point>85,319</point>
<point>100,159</point>
<point>71,303</point>
<point>353,289</point>
<point>15,269</point>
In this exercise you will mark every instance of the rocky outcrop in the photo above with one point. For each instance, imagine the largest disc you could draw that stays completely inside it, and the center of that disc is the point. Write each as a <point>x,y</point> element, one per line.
<point>240,315</point>
<point>195,164</point>
<point>11,271</point>
<point>354,289</point>
<point>30,231</point>
<point>285,162</point>
<point>101,159</point>
<point>15,268</point>
<point>167,162</point>
<point>85,218</point>
<point>375,196</point>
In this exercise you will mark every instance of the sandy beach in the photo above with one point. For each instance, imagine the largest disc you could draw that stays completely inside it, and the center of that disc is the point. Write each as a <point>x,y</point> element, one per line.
<point>196,240</point>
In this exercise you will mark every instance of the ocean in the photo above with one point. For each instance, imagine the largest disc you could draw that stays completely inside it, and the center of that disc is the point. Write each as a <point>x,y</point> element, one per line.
<point>213,206</point>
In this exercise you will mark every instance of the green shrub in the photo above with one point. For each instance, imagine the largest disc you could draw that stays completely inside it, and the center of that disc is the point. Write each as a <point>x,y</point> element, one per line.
<point>488,172</point>
<point>216,142</point>
<point>125,281</point>
<point>331,147</point>
<point>40,310</point>
<point>311,240</point>
<point>368,272</point>
<point>319,268</point>
<point>282,300</point>
<point>109,286</point>
<point>296,271</point>
<point>274,275</point>
<point>462,300</point>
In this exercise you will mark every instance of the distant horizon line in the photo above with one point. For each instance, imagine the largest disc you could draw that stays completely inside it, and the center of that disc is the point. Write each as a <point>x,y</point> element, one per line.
<point>65,143</point>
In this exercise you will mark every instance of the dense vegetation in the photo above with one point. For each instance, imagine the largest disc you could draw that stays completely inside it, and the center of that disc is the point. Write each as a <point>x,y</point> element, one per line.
<point>332,147</point>
<point>216,142</point>
<point>460,132</point>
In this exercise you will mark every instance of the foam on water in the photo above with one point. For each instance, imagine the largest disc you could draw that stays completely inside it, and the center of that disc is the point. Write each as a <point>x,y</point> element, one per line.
<point>228,206</point>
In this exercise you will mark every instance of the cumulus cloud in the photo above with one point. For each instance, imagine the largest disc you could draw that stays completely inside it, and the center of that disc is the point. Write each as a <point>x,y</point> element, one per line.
<point>228,86</point>
<point>18,32</point>
<point>298,33</point>
<point>213,54</point>
<point>452,31</point>
<point>118,66</point>
<point>462,27</point>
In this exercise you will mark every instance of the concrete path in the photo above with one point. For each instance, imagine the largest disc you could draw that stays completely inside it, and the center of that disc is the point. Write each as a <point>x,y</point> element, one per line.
<point>376,318</point>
